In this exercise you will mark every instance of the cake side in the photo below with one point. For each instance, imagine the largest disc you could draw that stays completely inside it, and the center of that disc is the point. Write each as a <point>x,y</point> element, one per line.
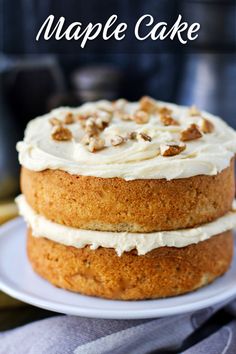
<point>113,204</point>
<point>165,271</point>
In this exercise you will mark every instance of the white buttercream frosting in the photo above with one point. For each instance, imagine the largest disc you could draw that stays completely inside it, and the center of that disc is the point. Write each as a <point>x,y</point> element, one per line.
<point>135,159</point>
<point>122,241</point>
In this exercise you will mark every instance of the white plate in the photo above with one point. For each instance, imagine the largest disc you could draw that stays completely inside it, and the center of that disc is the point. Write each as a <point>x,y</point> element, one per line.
<point>18,280</point>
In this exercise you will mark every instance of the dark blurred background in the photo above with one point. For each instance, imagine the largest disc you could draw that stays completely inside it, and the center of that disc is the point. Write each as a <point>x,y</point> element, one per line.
<point>38,76</point>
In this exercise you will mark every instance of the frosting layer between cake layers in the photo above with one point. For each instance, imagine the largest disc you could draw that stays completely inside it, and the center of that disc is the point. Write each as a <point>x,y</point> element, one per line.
<point>122,241</point>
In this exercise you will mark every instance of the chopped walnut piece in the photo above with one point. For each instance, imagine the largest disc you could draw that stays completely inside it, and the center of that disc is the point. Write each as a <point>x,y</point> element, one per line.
<point>124,116</point>
<point>145,137</point>
<point>141,117</point>
<point>165,111</point>
<point>106,107</point>
<point>193,111</point>
<point>147,104</point>
<point>101,123</point>
<point>207,126</point>
<point>117,140</point>
<point>69,118</point>
<point>191,133</point>
<point>120,104</point>
<point>94,125</point>
<point>85,139</point>
<point>55,121</point>
<point>172,149</point>
<point>95,144</point>
<point>168,120</point>
<point>91,127</point>
<point>132,135</point>
<point>103,119</point>
<point>83,116</point>
<point>61,133</point>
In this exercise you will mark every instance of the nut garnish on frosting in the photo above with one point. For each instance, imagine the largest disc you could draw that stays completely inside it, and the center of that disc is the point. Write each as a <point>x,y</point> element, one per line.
<point>69,118</point>
<point>168,120</point>
<point>54,121</point>
<point>164,111</point>
<point>206,126</point>
<point>95,144</point>
<point>172,149</point>
<point>61,133</point>
<point>147,104</point>
<point>193,111</point>
<point>141,117</point>
<point>191,133</point>
<point>145,137</point>
<point>117,140</point>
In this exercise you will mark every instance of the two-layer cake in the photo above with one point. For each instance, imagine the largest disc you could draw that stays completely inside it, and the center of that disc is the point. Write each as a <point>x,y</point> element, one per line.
<point>128,200</point>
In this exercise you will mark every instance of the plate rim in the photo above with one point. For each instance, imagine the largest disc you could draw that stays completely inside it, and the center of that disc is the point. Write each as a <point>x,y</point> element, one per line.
<point>103,312</point>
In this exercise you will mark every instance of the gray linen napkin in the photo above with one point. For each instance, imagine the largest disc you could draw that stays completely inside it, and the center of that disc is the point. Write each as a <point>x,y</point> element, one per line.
<point>75,335</point>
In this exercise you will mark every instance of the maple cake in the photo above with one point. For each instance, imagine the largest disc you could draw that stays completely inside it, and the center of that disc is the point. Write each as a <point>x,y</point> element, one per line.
<point>128,200</point>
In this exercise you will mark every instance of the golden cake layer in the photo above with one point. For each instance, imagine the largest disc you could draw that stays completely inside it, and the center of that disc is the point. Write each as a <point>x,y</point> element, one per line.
<point>163,272</point>
<point>114,204</point>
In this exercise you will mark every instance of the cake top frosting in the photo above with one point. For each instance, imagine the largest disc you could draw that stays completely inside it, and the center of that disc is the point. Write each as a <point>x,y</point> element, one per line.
<point>147,139</point>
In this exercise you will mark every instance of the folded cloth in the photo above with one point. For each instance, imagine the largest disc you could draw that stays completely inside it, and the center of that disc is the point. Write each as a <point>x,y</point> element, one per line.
<point>75,335</point>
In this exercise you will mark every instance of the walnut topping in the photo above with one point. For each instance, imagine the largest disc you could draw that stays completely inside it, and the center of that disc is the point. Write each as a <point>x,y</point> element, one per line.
<point>85,139</point>
<point>81,117</point>
<point>106,107</point>
<point>132,135</point>
<point>147,104</point>
<point>193,111</point>
<point>61,133</point>
<point>168,120</point>
<point>95,144</point>
<point>120,104</point>
<point>97,123</point>
<point>91,127</point>
<point>141,117</point>
<point>191,133</point>
<point>69,118</point>
<point>124,116</point>
<point>55,121</point>
<point>172,149</point>
<point>165,111</point>
<point>207,126</point>
<point>145,137</point>
<point>117,140</point>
